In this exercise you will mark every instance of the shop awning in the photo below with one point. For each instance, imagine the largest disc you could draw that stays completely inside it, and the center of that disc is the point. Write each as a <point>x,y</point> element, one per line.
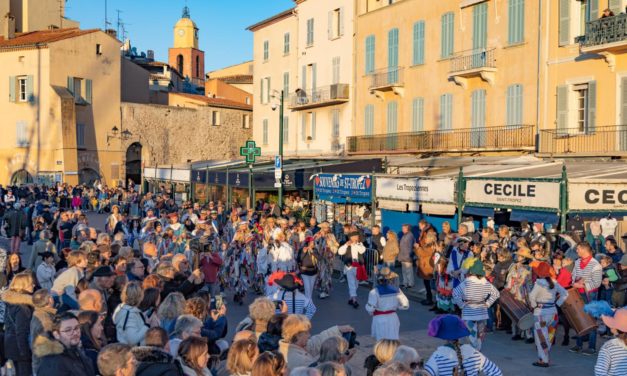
<point>534,216</point>
<point>403,206</point>
<point>439,209</point>
<point>479,211</point>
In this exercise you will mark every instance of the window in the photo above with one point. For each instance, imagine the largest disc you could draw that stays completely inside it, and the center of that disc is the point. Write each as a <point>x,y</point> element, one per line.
<point>77,89</point>
<point>312,124</point>
<point>310,32</point>
<point>180,63</point>
<point>417,115</point>
<point>21,89</point>
<point>21,134</point>
<point>447,43</point>
<point>286,44</point>
<point>370,54</point>
<point>446,112</point>
<point>197,66</point>
<point>286,84</point>
<point>393,50</point>
<point>98,49</point>
<point>336,70</point>
<point>265,131</point>
<point>265,90</point>
<point>581,97</point>
<point>514,105</point>
<point>246,121</point>
<point>286,129</point>
<point>336,23</point>
<point>516,26</point>
<point>392,120</point>
<point>369,120</point>
<point>266,50</point>
<point>336,123</point>
<point>419,43</point>
<point>215,118</point>
<point>80,136</point>
<point>303,127</point>
<point>573,17</point>
<point>82,93</point>
<point>480,26</point>
<point>576,107</point>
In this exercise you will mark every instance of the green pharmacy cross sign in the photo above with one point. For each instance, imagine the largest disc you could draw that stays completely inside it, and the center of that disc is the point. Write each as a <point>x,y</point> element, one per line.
<point>250,151</point>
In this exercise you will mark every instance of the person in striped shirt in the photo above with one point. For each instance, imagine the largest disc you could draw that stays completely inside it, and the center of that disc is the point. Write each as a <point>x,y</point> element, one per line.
<point>453,358</point>
<point>587,277</point>
<point>474,296</point>
<point>296,301</point>
<point>612,359</point>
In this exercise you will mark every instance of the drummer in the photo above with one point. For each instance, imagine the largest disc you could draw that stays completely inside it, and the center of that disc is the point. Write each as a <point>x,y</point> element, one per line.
<point>545,295</point>
<point>587,276</point>
<point>518,282</point>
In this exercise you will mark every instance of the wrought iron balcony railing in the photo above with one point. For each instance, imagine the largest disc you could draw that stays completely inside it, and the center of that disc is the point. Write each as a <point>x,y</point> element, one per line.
<point>386,78</point>
<point>472,60</point>
<point>324,96</point>
<point>605,30</point>
<point>519,137</point>
<point>604,140</point>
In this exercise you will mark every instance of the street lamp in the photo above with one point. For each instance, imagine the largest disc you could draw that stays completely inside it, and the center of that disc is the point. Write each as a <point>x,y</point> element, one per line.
<point>281,96</point>
<point>124,136</point>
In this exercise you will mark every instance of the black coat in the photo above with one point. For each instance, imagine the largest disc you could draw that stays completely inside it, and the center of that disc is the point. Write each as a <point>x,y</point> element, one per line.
<point>155,362</point>
<point>17,318</point>
<point>57,360</point>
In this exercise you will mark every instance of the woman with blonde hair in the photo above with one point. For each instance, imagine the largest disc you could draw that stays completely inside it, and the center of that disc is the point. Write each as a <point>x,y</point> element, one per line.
<point>242,356</point>
<point>383,352</point>
<point>130,323</point>
<point>170,309</point>
<point>269,363</point>
<point>194,356</point>
<point>18,314</point>
<point>391,249</point>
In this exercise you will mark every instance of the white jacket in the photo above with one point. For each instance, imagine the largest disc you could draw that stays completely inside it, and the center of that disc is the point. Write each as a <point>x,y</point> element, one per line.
<point>130,325</point>
<point>45,275</point>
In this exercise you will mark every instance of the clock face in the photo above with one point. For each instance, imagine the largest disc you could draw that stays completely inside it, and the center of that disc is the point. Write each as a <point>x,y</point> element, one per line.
<point>181,32</point>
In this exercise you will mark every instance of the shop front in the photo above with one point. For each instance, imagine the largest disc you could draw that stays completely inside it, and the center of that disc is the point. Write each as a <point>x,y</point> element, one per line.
<point>343,199</point>
<point>404,200</point>
<point>511,201</point>
<point>176,180</point>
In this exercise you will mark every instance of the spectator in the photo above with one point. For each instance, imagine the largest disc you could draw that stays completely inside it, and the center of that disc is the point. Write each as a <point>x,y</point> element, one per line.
<point>186,326</point>
<point>131,325</point>
<point>242,355</point>
<point>194,356</point>
<point>406,249</point>
<point>116,360</point>
<point>332,369</point>
<point>17,320</point>
<point>269,340</point>
<point>46,271</point>
<point>170,309</point>
<point>335,350</point>
<point>269,364</point>
<point>408,357</point>
<point>90,300</point>
<point>91,334</point>
<point>384,351</point>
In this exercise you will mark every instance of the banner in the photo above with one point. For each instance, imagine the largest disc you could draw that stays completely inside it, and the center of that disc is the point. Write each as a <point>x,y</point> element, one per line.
<point>513,193</point>
<point>597,195</point>
<point>421,190</point>
<point>340,188</point>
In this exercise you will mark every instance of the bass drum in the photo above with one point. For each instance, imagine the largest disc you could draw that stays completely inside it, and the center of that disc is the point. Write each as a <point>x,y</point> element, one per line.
<point>572,308</point>
<point>516,310</point>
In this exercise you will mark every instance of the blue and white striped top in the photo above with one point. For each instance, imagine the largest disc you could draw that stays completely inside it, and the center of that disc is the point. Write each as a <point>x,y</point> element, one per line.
<point>612,360</point>
<point>474,296</point>
<point>444,360</point>
<point>304,305</point>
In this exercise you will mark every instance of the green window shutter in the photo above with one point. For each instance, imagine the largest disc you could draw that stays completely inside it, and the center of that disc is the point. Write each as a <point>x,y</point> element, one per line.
<point>303,127</point>
<point>592,105</point>
<point>314,77</point>
<point>369,120</point>
<point>370,45</point>
<point>268,91</point>
<point>304,78</point>
<point>514,105</point>
<point>12,89</point>
<point>516,26</point>
<point>286,84</point>
<point>446,112</point>
<point>88,91</point>
<point>564,22</point>
<point>336,70</point>
<point>286,129</point>
<point>562,107</point>
<point>261,91</point>
<point>447,38</point>
<point>417,115</point>
<point>286,43</point>
<point>30,97</point>
<point>478,108</point>
<point>593,10</point>
<point>392,120</point>
<point>616,6</point>
<point>70,85</point>
<point>480,26</point>
<point>341,21</point>
<point>313,126</point>
<point>419,43</point>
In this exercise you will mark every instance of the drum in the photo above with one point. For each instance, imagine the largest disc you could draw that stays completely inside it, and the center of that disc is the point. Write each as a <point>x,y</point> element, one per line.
<point>516,310</point>
<point>573,310</point>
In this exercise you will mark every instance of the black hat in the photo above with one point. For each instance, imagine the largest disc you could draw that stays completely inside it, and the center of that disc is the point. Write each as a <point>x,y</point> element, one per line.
<point>45,255</point>
<point>289,282</point>
<point>353,233</point>
<point>103,271</point>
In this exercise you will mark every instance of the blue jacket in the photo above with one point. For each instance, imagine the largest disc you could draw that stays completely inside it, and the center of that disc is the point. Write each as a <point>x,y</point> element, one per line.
<point>406,246</point>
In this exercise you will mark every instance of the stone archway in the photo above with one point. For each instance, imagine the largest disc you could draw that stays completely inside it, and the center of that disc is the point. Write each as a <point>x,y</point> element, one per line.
<point>134,163</point>
<point>20,177</point>
<point>88,176</point>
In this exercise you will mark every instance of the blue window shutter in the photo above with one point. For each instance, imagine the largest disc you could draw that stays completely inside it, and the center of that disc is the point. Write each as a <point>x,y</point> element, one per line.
<point>478,109</point>
<point>616,6</point>
<point>286,84</point>
<point>447,43</point>
<point>419,43</point>
<point>330,24</point>
<point>265,131</point>
<point>392,120</point>
<point>446,112</point>
<point>12,89</point>
<point>593,10</point>
<point>314,77</point>
<point>88,91</point>
<point>313,126</point>
<point>370,46</point>
<point>393,48</point>
<point>341,25</point>
<point>70,85</point>
<point>509,106</point>
<point>480,26</point>
<point>592,105</point>
<point>268,90</point>
<point>369,120</point>
<point>516,26</point>
<point>286,129</point>
<point>336,123</point>
<point>30,97</point>
<point>417,118</point>
<point>564,22</point>
<point>562,107</point>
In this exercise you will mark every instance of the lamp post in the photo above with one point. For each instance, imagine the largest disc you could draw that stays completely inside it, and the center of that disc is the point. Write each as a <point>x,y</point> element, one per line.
<point>281,148</point>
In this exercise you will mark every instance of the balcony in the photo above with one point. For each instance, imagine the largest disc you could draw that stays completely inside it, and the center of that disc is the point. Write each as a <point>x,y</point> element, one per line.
<point>606,37</point>
<point>601,141</point>
<point>387,79</point>
<point>324,96</point>
<point>473,63</point>
<point>506,138</point>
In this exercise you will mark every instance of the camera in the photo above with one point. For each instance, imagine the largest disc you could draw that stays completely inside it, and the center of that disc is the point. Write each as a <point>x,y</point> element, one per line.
<point>278,304</point>
<point>351,338</point>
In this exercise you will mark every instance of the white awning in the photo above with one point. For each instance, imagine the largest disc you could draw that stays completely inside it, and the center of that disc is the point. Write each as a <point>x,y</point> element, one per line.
<point>439,209</point>
<point>399,205</point>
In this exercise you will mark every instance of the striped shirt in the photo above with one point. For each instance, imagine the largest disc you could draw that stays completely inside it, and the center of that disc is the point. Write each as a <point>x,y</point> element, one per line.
<point>591,274</point>
<point>304,305</point>
<point>612,360</point>
<point>474,296</point>
<point>444,360</point>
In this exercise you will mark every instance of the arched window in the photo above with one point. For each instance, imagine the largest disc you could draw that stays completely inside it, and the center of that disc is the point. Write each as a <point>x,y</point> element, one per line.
<point>179,63</point>
<point>197,66</point>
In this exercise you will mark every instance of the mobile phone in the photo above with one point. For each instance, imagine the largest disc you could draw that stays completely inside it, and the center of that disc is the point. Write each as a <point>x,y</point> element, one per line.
<point>278,304</point>
<point>219,302</point>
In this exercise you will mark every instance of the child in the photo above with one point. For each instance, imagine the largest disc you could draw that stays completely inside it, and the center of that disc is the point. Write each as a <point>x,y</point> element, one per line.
<point>610,275</point>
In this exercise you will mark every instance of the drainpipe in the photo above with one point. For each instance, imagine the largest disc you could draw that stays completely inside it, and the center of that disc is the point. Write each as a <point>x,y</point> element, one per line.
<point>461,188</point>
<point>537,138</point>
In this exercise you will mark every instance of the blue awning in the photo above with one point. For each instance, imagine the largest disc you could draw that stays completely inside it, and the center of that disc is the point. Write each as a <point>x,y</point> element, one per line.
<point>534,216</point>
<point>481,212</point>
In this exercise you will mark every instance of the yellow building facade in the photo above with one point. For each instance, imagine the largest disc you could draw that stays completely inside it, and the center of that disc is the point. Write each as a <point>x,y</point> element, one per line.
<point>60,102</point>
<point>445,76</point>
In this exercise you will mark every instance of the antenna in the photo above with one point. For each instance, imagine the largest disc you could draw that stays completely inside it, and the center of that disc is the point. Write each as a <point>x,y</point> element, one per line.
<point>107,23</point>
<point>119,22</point>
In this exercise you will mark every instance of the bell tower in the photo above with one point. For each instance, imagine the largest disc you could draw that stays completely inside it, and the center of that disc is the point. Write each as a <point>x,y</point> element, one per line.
<point>185,56</point>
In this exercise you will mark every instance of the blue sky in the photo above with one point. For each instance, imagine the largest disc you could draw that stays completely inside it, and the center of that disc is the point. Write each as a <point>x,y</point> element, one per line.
<point>222,24</point>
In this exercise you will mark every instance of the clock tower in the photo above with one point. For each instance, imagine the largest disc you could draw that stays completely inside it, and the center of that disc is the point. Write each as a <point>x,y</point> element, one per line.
<point>185,55</point>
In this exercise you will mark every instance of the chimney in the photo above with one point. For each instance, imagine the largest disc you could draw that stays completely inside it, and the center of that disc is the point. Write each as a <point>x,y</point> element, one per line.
<point>112,32</point>
<point>8,30</point>
<point>151,55</point>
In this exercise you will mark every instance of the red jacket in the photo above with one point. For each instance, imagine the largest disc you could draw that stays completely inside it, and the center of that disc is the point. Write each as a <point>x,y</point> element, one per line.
<point>565,278</point>
<point>210,267</point>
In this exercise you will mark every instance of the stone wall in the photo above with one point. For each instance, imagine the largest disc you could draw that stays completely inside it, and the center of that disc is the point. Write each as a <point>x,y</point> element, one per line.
<point>174,135</point>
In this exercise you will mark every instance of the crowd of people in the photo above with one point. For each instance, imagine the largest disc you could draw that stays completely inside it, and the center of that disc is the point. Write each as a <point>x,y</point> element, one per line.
<point>147,293</point>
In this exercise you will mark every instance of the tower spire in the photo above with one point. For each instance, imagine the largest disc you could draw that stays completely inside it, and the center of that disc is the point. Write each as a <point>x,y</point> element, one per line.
<point>186,11</point>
